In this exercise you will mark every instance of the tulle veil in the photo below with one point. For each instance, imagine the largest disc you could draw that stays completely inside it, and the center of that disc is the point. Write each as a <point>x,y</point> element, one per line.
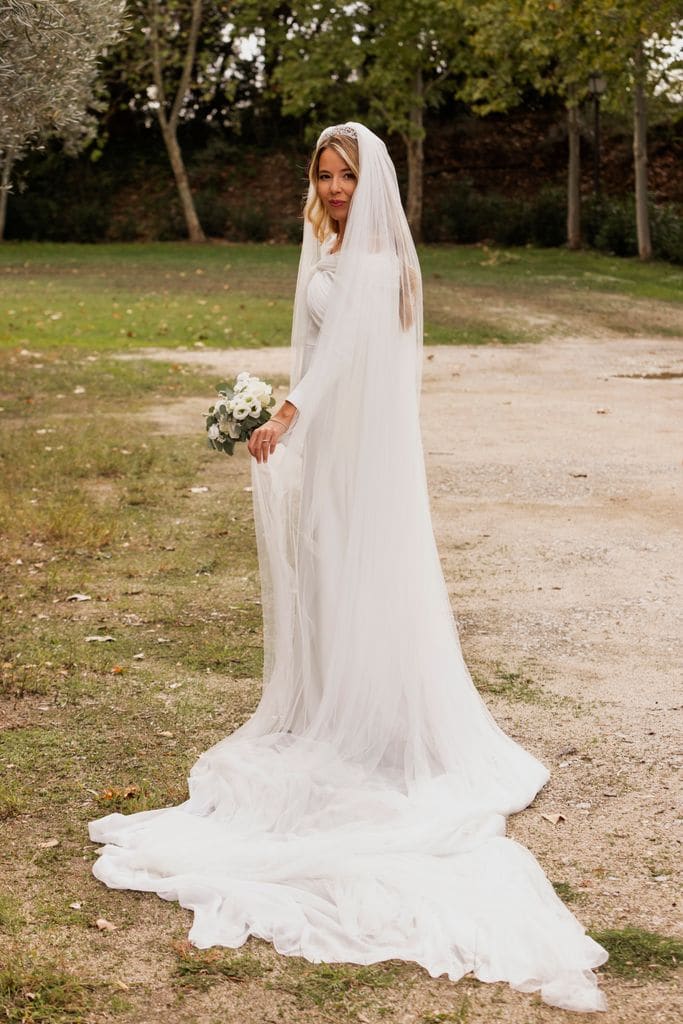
<point>359,814</point>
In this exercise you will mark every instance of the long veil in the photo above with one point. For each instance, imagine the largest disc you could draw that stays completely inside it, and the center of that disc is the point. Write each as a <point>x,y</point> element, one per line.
<point>359,814</point>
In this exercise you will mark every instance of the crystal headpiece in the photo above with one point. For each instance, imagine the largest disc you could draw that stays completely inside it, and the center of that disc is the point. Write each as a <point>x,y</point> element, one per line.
<point>338,129</point>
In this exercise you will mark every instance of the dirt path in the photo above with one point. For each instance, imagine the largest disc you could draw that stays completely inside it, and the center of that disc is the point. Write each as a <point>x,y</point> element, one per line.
<point>555,476</point>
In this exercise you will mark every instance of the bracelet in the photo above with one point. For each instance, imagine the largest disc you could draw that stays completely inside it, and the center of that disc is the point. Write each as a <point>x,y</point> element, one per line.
<point>273,419</point>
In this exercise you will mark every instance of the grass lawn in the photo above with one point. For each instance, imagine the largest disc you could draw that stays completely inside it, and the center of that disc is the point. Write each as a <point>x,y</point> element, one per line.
<point>113,529</point>
<point>125,296</point>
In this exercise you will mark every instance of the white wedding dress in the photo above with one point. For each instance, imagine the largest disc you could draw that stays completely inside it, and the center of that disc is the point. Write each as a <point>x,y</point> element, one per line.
<point>359,814</point>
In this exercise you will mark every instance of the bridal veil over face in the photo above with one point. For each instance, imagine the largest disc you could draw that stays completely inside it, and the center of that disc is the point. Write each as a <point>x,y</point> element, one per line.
<point>359,814</point>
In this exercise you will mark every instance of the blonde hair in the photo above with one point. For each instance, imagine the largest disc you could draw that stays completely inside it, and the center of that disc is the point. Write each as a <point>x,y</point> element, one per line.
<point>345,146</point>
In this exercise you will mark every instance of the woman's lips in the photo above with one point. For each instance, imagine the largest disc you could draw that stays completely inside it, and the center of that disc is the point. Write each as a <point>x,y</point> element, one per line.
<point>337,202</point>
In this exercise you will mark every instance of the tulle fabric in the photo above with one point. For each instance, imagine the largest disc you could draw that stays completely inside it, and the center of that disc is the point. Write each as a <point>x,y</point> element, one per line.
<point>359,814</point>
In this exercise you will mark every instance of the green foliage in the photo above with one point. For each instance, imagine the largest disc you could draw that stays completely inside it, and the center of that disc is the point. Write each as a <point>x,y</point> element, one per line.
<point>667,232</point>
<point>200,969</point>
<point>464,215</point>
<point>610,225</point>
<point>458,1015</point>
<point>336,987</point>
<point>10,804</point>
<point>514,686</point>
<point>11,917</point>
<point>616,228</point>
<point>567,892</point>
<point>634,952</point>
<point>42,994</point>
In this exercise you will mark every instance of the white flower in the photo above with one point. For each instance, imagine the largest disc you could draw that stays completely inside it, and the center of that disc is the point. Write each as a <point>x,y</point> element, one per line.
<point>221,408</point>
<point>240,410</point>
<point>213,432</point>
<point>262,391</point>
<point>242,376</point>
<point>255,407</point>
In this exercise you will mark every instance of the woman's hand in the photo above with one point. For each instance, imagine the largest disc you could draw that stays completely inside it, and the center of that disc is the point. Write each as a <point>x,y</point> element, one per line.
<point>263,441</point>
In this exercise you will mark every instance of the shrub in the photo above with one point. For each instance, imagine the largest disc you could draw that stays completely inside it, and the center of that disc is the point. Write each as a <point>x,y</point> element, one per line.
<point>213,212</point>
<point>249,224</point>
<point>548,218</point>
<point>667,232</point>
<point>616,232</point>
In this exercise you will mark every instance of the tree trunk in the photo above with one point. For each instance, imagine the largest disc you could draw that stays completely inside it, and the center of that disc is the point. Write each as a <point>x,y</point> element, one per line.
<point>4,189</point>
<point>168,122</point>
<point>414,141</point>
<point>194,228</point>
<point>640,156</point>
<point>574,179</point>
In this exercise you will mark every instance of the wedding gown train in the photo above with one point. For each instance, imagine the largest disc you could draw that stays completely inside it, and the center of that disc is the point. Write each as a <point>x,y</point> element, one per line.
<point>363,819</point>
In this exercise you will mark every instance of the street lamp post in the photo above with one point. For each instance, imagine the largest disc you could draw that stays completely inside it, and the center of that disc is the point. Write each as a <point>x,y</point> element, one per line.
<point>596,85</point>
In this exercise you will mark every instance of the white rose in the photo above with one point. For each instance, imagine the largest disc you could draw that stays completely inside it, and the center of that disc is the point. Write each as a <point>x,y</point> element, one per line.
<point>213,432</point>
<point>255,407</point>
<point>240,410</point>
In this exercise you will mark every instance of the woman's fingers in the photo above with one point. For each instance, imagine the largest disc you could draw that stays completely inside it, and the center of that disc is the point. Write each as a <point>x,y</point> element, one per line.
<point>262,443</point>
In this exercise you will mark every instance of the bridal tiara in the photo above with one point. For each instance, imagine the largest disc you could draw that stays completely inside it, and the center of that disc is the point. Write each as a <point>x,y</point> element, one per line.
<point>338,129</point>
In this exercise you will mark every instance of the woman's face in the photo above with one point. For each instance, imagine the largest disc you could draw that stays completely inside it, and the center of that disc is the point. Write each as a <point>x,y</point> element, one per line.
<point>336,184</point>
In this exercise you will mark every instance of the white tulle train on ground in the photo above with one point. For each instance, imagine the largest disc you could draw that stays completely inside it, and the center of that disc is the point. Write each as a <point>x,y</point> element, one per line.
<point>359,814</point>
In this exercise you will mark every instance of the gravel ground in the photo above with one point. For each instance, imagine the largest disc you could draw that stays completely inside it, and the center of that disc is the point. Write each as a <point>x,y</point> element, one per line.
<point>555,479</point>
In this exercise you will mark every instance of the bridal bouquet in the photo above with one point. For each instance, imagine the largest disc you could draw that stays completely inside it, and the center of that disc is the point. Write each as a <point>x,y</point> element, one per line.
<point>239,410</point>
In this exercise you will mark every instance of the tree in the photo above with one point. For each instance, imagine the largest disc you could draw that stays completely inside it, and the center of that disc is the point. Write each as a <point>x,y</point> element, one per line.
<point>417,52</point>
<point>174,65</point>
<point>388,59</point>
<point>555,45</point>
<point>49,52</point>
<point>551,45</point>
<point>640,67</point>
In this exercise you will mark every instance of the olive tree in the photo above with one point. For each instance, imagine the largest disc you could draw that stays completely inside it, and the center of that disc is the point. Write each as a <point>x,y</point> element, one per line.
<point>49,53</point>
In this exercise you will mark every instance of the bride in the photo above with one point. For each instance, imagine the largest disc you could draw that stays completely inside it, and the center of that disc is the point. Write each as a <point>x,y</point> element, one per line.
<point>359,814</point>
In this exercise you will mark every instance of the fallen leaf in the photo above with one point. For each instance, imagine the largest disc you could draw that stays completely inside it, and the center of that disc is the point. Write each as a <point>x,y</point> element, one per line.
<point>104,925</point>
<point>117,670</point>
<point>116,792</point>
<point>49,844</point>
<point>165,733</point>
<point>121,985</point>
<point>138,657</point>
<point>75,906</point>
<point>79,597</point>
<point>98,639</point>
<point>554,819</point>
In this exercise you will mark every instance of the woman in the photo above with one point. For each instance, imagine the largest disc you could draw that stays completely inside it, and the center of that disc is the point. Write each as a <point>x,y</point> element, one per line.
<point>359,814</point>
